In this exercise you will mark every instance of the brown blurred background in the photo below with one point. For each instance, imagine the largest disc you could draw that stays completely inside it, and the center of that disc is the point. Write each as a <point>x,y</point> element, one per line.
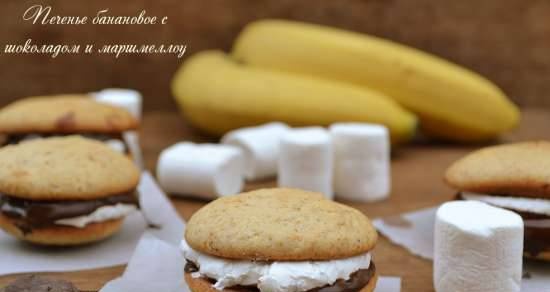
<point>506,40</point>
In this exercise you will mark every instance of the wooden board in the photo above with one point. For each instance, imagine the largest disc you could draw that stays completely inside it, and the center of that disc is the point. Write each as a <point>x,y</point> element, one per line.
<point>416,174</point>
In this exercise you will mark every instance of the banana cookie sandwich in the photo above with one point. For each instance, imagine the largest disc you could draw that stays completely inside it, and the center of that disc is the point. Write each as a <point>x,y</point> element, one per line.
<point>279,240</point>
<point>65,190</point>
<point>514,177</point>
<point>61,115</point>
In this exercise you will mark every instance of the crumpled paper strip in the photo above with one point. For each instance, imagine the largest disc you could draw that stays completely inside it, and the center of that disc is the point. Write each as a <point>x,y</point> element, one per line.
<point>415,232</point>
<point>160,212</point>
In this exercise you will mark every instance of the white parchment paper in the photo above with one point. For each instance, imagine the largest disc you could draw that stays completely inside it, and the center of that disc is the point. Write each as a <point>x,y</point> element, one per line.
<point>155,266</point>
<point>415,232</point>
<point>19,257</point>
<point>388,284</point>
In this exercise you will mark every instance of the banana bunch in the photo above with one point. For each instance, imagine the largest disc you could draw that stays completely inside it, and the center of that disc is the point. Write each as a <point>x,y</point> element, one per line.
<point>306,74</point>
<point>218,94</point>
<point>451,102</point>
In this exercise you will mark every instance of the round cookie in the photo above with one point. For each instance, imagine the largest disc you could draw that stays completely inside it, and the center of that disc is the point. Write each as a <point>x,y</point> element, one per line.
<point>280,224</point>
<point>71,113</point>
<point>65,168</point>
<point>63,235</point>
<point>203,285</point>
<point>521,169</point>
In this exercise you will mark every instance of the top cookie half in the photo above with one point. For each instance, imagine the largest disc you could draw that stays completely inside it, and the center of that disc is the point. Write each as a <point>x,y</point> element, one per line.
<point>521,169</point>
<point>280,224</point>
<point>65,168</point>
<point>64,114</point>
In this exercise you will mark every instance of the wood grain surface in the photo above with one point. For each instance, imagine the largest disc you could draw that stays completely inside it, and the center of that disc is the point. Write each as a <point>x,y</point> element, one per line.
<point>506,40</point>
<point>416,173</point>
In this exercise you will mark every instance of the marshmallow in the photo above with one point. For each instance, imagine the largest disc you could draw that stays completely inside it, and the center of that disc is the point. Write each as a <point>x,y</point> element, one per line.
<point>260,146</point>
<point>125,98</point>
<point>116,145</point>
<point>361,161</point>
<point>203,170</point>
<point>477,248</point>
<point>305,160</point>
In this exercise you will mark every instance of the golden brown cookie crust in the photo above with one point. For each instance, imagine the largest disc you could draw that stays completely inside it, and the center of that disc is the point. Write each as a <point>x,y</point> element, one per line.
<point>521,169</point>
<point>280,224</point>
<point>63,235</point>
<point>70,113</point>
<point>203,285</point>
<point>65,168</point>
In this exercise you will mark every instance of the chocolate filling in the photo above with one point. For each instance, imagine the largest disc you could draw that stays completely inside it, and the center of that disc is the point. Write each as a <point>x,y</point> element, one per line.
<point>537,238</point>
<point>18,138</point>
<point>356,282</point>
<point>32,214</point>
<point>536,233</point>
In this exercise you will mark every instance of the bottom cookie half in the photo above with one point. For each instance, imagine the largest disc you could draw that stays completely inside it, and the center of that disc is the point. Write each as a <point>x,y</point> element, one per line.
<point>62,235</point>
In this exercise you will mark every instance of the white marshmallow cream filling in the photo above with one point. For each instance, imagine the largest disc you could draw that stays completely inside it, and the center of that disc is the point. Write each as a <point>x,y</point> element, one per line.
<point>276,276</point>
<point>115,144</point>
<point>101,214</point>
<point>529,205</point>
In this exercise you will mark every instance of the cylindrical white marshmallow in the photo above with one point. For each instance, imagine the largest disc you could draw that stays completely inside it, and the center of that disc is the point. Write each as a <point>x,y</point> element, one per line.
<point>125,98</point>
<point>305,160</point>
<point>260,146</point>
<point>201,170</point>
<point>361,161</point>
<point>477,248</point>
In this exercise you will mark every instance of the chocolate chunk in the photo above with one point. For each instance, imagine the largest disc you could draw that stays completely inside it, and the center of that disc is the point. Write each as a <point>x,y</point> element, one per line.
<point>33,283</point>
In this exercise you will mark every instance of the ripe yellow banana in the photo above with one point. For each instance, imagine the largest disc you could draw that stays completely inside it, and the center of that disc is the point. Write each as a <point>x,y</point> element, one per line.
<point>217,94</point>
<point>451,102</point>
